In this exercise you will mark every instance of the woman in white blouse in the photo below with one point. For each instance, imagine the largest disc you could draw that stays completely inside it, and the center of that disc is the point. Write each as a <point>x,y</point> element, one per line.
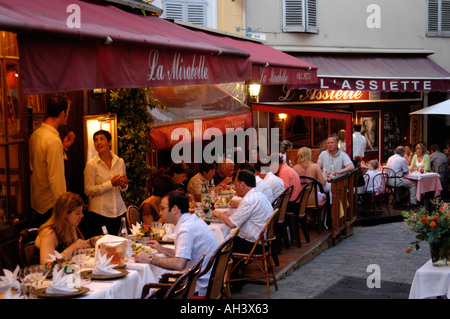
<point>104,180</point>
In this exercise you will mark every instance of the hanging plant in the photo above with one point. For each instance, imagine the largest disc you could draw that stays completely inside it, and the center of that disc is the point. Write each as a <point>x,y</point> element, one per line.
<point>133,131</point>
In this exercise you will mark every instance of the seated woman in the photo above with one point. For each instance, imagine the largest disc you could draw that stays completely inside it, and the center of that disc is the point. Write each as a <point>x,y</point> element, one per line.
<point>205,175</point>
<point>149,208</point>
<point>306,167</point>
<point>60,231</point>
<point>421,159</point>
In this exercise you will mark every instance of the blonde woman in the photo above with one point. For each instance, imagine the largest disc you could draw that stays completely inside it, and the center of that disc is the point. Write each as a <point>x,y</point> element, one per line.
<point>421,159</point>
<point>60,231</point>
<point>306,167</point>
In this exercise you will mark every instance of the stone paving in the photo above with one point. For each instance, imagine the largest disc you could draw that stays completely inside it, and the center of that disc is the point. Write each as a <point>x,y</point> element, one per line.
<point>383,245</point>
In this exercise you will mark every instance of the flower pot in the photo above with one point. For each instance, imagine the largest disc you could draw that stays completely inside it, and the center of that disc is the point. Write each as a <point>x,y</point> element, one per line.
<point>440,253</point>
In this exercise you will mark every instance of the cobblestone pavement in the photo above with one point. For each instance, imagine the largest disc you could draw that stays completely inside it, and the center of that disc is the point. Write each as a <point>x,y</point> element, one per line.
<point>383,245</point>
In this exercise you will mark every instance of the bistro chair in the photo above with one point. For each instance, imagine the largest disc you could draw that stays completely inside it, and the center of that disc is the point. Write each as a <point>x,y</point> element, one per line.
<point>377,197</point>
<point>28,253</point>
<point>182,288</point>
<point>443,171</point>
<point>218,264</point>
<point>133,215</point>
<point>281,229</point>
<point>391,184</point>
<point>317,209</point>
<point>297,217</point>
<point>263,260</point>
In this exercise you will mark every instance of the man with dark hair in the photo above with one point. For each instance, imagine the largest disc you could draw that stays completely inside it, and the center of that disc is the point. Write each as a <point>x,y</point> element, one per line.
<point>47,180</point>
<point>359,142</point>
<point>260,183</point>
<point>193,237</point>
<point>251,215</point>
<point>439,163</point>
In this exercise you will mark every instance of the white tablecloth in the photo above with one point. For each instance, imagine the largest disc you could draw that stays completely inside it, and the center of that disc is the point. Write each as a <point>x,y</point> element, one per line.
<point>128,287</point>
<point>427,182</point>
<point>430,281</point>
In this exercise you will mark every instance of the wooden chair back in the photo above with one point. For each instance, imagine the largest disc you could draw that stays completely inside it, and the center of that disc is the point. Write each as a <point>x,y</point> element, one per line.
<point>133,215</point>
<point>28,253</point>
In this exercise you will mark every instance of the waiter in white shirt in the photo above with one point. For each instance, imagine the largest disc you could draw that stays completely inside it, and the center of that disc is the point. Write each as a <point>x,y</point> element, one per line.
<point>359,142</point>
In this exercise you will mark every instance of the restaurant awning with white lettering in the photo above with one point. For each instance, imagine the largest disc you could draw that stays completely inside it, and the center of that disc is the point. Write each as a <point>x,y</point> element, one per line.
<point>376,73</point>
<point>269,65</point>
<point>68,45</point>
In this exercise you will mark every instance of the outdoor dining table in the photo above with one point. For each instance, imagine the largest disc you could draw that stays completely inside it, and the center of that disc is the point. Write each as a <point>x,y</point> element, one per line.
<point>219,229</point>
<point>426,182</point>
<point>430,282</point>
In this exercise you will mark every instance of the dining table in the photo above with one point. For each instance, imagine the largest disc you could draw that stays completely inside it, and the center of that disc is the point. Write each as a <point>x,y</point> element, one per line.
<point>431,281</point>
<point>219,229</point>
<point>426,182</point>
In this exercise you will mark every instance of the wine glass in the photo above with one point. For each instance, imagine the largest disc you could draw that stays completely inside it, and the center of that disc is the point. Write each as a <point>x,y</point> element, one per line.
<point>40,273</point>
<point>25,280</point>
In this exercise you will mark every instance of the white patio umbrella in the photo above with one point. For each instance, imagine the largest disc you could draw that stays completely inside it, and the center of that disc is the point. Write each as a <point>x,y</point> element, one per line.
<point>440,108</point>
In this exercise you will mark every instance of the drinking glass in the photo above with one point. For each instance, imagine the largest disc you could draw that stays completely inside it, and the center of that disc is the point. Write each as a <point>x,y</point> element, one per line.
<point>25,280</point>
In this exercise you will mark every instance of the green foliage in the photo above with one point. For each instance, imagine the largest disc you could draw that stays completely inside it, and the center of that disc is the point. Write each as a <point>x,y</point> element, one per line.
<point>133,129</point>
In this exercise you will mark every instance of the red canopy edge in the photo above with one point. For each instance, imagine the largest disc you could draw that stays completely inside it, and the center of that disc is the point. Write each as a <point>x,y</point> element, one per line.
<point>377,73</point>
<point>270,66</point>
<point>161,136</point>
<point>51,65</point>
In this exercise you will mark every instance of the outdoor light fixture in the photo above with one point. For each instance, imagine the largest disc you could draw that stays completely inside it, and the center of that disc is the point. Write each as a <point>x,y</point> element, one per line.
<point>254,90</point>
<point>282,116</point>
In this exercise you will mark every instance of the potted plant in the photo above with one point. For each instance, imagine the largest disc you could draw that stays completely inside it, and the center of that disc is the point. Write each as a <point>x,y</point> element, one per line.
<point>433,227</point>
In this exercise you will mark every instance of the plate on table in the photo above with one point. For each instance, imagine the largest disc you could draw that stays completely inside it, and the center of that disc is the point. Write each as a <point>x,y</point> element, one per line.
<point>89,274</point>
<point>42,294</point>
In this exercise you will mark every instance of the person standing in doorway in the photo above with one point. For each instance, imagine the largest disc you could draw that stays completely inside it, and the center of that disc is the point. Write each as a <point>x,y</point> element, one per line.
<point>47,180</point>
<point>104,181</point>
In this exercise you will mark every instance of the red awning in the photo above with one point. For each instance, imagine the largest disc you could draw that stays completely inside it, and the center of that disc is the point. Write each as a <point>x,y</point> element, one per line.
<point>377,73</point>
<point>56,55</point>
<point>270,66</point>
<point>161,137</point>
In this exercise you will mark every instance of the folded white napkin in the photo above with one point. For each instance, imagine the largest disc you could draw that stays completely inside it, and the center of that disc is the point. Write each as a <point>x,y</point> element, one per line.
<point>9,280</point>
<point>103,266</point>
<point>170,232</point>
<point>55,256</point>
<point>10,295</point>
<point>59,286</point>
<point>135,229</point>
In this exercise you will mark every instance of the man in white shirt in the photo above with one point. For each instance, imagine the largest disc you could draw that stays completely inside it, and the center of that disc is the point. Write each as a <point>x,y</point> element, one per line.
<point>359,142</point>
<point>47,180</point>
<point>193,237</point>
<point>275,183</point>
<point>400,167</point>
<point>251,215</point>
<point>260,183</point>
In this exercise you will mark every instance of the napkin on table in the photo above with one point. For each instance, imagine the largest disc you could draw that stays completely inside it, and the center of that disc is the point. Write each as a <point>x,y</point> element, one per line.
<point>170,234</point>
<point>135,229</point>
<point>59,286</point>
<point>9,280</point>
<point>103,266</point>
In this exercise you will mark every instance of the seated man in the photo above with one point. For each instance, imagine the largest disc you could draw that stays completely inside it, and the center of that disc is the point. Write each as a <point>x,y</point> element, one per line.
<point>251,215</point>
<point>333,160</point>
<point>439,163</point>
<point>193,237</point>
<point>224,173</point>
<point>260,183</point>
<point>275,183</point>
<point>398,164</point>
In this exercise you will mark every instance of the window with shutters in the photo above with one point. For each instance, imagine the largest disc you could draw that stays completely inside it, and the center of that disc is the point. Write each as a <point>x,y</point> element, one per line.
<point>438,18</point>
<point>184,10</point>
<point>300,16</point>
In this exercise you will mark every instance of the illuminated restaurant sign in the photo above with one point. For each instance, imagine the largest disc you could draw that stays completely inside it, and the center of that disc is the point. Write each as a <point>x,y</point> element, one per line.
<point>322,95</point>
<point>377,85</point>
